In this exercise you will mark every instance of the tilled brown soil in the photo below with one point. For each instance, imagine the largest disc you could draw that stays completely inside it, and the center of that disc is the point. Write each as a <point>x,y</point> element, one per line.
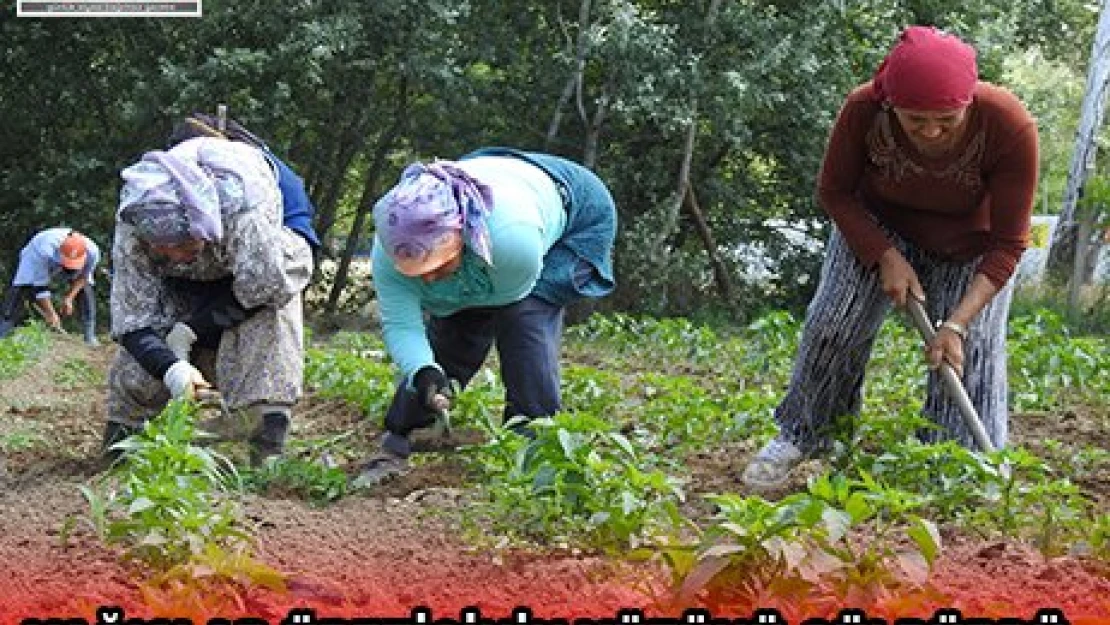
<point>386,552</point>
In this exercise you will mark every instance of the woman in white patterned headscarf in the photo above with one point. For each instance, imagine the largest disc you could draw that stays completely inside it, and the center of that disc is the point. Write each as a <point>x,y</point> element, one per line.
<point>202,261</point>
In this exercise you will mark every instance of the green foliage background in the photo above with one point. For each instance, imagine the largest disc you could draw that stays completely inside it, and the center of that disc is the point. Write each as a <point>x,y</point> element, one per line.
<point>351,91</point>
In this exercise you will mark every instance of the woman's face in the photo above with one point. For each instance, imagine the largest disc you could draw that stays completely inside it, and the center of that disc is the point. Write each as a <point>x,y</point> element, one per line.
<point>444,259</point>
<point>443,271</point>
<point>932,132</point>
<point>178,253</point>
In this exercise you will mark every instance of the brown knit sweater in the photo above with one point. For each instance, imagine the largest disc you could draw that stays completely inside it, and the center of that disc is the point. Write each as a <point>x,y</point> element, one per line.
<point>977,200</point>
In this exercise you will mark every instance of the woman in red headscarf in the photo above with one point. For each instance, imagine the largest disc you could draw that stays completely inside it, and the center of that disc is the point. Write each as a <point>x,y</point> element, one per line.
<point>929,177</point>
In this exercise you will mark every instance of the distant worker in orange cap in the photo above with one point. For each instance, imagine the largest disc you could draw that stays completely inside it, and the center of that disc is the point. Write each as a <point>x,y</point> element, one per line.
<point>51,254</point>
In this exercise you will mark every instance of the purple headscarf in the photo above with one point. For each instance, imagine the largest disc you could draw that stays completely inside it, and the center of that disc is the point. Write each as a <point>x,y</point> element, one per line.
<point>183,194</point>
<point>429,204</point>
<point>170,200</point>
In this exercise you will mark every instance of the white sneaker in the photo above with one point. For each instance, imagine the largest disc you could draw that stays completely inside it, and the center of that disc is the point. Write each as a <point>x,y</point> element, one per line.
<point>773,464</point>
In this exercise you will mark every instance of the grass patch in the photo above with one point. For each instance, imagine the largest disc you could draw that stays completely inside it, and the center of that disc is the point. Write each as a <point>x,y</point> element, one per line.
<point>77,373</point>
<point>21,348</point>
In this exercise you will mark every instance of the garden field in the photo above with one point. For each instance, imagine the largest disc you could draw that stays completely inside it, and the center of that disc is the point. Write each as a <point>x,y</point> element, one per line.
<point>629,499</point>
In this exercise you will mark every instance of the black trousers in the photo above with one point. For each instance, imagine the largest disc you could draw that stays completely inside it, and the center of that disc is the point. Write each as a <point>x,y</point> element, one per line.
<point>14,309</point>
<point>528,334</point>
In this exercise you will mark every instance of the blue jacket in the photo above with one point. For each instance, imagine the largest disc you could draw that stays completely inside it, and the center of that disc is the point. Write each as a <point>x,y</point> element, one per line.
<point>296,207</point>
<point>580,264</point>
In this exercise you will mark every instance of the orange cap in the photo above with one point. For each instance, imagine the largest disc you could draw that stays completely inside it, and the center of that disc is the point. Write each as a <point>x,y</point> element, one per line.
<point>73,251</point>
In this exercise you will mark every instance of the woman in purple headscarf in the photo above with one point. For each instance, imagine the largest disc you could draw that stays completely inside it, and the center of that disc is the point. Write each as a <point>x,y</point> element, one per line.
<point>203,263</point>
<point>491,248</point>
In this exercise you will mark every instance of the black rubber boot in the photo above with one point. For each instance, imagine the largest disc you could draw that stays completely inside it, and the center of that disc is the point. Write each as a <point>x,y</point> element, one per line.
<point>268,439</point>
<point>391,461</point>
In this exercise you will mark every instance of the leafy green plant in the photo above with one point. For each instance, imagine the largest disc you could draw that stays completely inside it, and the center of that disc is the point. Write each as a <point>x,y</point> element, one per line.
<point>587,389</point>
<point>668,337</point>
<point>1011,493</point>
<point>298,477</point>
<point>1047,362</point>
<point>214,583</point>
<point>23,437</point>
<point>170,505</point>
<point>75,373</point>
<point>19,349</point>
<point>363,381</point>
<point>574,478</point>
<point>681,414</point>
<point>751,409</point>
<point>1077,462</point>
<point>877,570</point>
<point>773,340</point>
<point>168,499</point>
<point>1100,539</point>
<point>753,550</point>
<point>362,344</point>
<point>946,475</point>
<point>1092,318</point>
<point>1026,502</point>
<point>800,551</point>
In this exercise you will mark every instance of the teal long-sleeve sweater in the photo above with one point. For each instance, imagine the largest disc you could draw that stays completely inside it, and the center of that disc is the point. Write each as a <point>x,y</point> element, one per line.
<point>552,229</point>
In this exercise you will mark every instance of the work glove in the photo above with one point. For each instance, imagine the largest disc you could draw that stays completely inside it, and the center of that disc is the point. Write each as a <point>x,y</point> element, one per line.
<point>180,340</point>
<point>433,389</point>
<point>184,380</point>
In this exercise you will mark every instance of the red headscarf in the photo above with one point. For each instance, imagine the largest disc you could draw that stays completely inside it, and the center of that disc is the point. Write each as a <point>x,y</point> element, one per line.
<point>927,70</point>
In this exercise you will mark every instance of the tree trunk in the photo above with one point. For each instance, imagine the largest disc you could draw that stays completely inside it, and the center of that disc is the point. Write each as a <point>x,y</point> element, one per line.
<point>575,79</point>
<point>313,164</point>
<point>343,144</point>
<point>1065,238</point>
<point>328,205</point>
<point>671,222</point>
<point>720,271</point>
<point>593,129</point>
<point>591,123</point>
<point>369,196</point>
<point>351,142</point>
<point>1080,264</point>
